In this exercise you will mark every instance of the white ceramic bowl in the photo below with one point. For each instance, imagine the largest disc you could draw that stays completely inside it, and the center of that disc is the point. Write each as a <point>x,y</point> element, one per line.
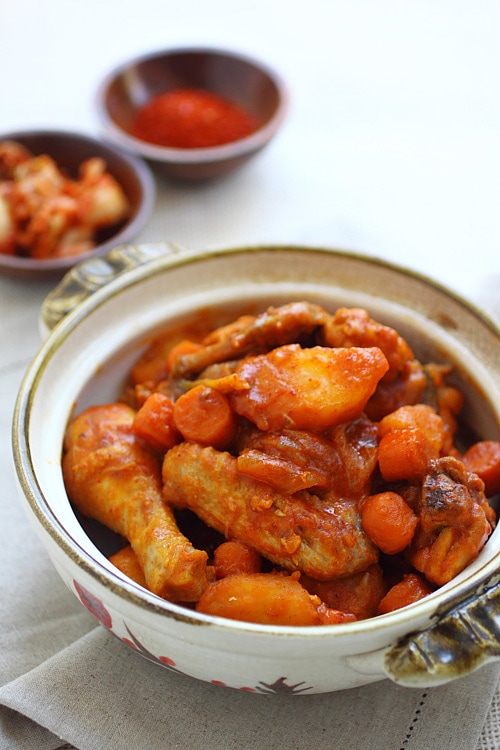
<point>97,321</point>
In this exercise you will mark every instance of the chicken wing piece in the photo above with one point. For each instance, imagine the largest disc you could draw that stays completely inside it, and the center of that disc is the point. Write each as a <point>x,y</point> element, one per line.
<point>405,380</point>
<point>354,327</point>
<point>455,521</point>
<point>322,538</point>
<point>253,334</point>
<point>112,478</point>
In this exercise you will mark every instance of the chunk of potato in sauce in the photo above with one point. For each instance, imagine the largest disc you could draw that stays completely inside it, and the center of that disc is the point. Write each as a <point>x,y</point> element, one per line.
<point>308,389</point>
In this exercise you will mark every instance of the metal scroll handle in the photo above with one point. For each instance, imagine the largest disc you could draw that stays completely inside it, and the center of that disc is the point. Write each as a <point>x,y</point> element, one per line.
<point>87,277</point>
<point>464,637</point>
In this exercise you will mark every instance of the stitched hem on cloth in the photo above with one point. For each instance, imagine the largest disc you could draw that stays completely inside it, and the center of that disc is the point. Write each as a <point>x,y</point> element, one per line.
<point>416,717</point>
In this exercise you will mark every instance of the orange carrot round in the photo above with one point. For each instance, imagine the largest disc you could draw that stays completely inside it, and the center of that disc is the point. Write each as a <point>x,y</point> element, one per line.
<point>404,454</point>
<point>411,589</point>
<point>389,521</point>
<point>235,557</point>
<point>154,423</point>
<point>203,415</point>
<point>420,417</point>
<point>409,438</point>
<point>483,458</point>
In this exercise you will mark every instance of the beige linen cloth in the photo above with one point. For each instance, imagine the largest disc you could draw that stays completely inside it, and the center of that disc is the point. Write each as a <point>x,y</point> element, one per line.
<point>97,695</point>
<point>67,681</point>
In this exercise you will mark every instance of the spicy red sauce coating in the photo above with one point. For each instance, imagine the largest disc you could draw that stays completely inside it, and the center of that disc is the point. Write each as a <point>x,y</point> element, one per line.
<point>192,118</point>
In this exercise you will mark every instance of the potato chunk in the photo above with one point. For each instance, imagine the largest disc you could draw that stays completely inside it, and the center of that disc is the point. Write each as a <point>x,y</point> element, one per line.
<point>308,389</point>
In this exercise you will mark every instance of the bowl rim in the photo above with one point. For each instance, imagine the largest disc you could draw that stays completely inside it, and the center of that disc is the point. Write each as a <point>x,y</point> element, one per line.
<point>17,263</point>
<point>126,589</point>
<point>166,154</point>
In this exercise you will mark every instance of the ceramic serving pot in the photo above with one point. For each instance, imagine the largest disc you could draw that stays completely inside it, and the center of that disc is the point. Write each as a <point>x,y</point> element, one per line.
<point>97,322</point>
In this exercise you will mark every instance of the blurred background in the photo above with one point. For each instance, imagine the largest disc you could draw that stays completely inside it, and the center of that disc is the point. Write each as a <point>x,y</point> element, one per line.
<point>392,141</point>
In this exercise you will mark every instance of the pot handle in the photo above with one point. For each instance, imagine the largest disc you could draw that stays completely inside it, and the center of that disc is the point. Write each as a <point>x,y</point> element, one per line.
<point>87,277</point>
<point>464,636</point>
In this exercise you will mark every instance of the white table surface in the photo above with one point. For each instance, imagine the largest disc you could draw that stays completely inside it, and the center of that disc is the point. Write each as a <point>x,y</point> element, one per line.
<point>391,147</point>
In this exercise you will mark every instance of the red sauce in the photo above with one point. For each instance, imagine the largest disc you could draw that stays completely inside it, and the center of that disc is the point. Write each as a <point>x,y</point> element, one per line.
<point>192,118</point>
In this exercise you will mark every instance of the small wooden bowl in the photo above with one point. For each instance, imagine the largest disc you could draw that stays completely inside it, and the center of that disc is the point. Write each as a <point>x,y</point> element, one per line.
<point>241,80</point>
<point>69,150</point>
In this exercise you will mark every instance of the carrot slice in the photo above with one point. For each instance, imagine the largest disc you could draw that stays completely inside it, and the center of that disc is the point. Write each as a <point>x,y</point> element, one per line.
<point>235,557</point>
<point>203,415</point>
<point>483,458</point>
<point>419,417</point>
<point>411,589</point>
<point>404,454</point>
<point>154,423</point>
<point>409,438</point>
<point>389,521</point>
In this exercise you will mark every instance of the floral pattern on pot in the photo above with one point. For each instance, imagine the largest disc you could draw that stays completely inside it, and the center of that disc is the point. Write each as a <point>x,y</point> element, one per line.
<point>94,605</point>
<point>97,609</point>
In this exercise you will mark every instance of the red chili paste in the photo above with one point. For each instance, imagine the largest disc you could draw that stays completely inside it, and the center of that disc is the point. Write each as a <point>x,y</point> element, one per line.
<point>192,118</point>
